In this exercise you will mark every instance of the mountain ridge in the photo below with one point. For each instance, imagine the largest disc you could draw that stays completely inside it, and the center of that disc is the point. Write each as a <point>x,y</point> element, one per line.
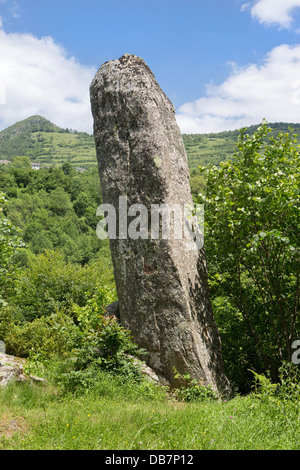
<point>44,142</point>
<point>32,123</point>
<point>41,140</point>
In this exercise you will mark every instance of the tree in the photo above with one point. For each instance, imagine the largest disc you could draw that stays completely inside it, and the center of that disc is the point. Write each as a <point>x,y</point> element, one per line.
<point>68,169</point>
<point>59,202</point>
<point>81,204</point>
<point>252,242</point>
<point>22,162</point>
<point>9,244</point>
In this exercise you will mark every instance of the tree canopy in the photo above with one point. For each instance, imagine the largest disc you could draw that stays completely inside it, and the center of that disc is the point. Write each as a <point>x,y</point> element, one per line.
<point>252,241</point>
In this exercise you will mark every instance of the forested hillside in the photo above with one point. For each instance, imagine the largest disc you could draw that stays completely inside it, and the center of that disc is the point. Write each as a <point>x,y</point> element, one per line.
<point>55,208</point>
<point>44,142</point>
<point>203,149</point>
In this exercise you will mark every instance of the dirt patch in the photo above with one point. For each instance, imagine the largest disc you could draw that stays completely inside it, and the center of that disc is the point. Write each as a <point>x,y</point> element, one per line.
<point>10,425</point>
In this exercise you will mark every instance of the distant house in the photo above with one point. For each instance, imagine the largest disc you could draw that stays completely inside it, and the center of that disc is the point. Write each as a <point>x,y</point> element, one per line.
<point>35,166</point>
<point>80,170</point>
<point>4,162</point>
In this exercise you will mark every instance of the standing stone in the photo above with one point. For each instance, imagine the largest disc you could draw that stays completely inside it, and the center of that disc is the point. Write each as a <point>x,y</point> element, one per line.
<point>161,283</point>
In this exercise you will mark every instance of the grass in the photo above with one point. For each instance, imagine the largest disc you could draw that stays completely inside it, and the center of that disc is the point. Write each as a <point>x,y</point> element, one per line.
<point>124,416</point>
<point>78,149</point>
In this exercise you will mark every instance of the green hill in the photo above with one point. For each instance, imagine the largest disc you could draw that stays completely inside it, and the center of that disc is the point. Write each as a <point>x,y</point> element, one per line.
<point>43,142</point>
<point>214,148</point>
<point>48,144</point>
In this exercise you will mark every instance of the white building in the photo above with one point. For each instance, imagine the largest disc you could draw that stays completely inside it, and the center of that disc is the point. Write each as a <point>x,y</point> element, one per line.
<point>35,166</point>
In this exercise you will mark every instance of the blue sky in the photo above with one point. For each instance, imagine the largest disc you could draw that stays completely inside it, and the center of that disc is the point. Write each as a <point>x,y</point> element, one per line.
<point>223,63</point>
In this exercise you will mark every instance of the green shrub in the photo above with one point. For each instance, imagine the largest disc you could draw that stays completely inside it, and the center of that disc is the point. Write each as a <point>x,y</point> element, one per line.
<point>191,390</point>
<point>108,347</point>
<point>10,243</point>
<point>45,336</point>
<point>286,388</point>
<point>48,284</point>
<point>252,247</point>
<point>263,386</point>
<point>289,380</point>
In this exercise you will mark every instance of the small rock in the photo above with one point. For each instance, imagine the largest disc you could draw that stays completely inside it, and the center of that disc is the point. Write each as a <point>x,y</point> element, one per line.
<point>113,309</point>
<point>12,368</point>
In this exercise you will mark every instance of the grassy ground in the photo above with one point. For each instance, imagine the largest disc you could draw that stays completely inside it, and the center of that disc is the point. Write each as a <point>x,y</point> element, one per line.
<point>78,149</point>
<point>139,417</point>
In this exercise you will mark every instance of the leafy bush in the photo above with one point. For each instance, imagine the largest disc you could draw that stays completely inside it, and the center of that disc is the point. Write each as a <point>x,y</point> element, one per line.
<point>289,381</point>
<point>10,242</point>
<point>90,315</point>
<point>48,284</point>
<point>191,390</point>
<point>43,337</point>
<point>252,243</point>
<point>286,388</point>
<point>106,343</point>
<point>263,386</point>
<point>99,382</point>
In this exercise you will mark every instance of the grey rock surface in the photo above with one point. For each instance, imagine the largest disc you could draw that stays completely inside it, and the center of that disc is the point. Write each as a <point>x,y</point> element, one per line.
<point>12,369</point>
<point>161,283</point>
<point>113,309</point>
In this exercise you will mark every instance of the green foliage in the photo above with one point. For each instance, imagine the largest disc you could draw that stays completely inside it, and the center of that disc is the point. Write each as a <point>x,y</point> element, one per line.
<point>197,183</point>
<point>43,337</point>
<point>48,284</point>
<point>21,162</point>
<point>264,388</point>
<point>191,390</point>
<point>60,308</point>
<point>289,381</point>
<point>214,148</point>
<point>68,168</point>
<point>10,242</point>
<point>59,202</point>
<point>55,210</point>
<point>42,141</point>
<point>287,388</point>
<point>90,316</point>
<point>104,344</point>
<point>252,245</point>
<point>238,347</point>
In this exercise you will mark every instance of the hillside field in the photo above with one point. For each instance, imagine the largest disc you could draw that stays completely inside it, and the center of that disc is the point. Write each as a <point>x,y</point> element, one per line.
<point>45,143</point>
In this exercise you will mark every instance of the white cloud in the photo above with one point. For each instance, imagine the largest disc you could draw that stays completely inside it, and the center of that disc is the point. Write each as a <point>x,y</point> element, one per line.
<point>245,6</point>
<point>275,11</point>
<point>250,94</point>
<point>39,78</point>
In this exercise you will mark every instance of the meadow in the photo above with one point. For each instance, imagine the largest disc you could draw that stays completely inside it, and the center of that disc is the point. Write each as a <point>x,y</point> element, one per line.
<point>124,416</point>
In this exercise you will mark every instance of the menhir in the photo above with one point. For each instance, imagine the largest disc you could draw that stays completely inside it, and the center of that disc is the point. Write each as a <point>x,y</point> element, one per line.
<point>161,280</point>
